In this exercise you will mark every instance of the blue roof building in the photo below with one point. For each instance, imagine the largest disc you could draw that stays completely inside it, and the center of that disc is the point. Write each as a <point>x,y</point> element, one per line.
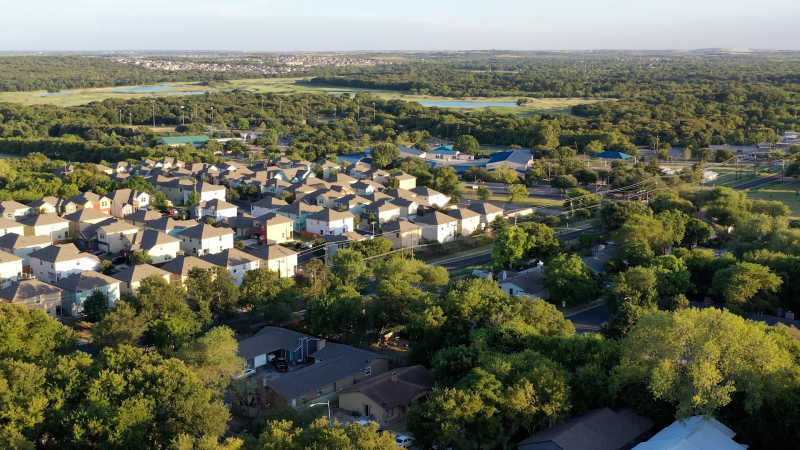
<point>611,155</point>
<point>519,160</point>
<point>443,152</point>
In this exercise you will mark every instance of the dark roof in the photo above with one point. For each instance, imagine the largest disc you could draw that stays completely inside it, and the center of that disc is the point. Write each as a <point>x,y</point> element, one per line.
<point>205,231</point>
<point>149,238</point>
<point>230,257</point>
<point>139,272</point>
<point>143,215</point>
<point>462,213</point>
<point>530,281</point>
<point>435,218</point>
<point>395,388</point>
<point>332,363</point>
<point>24,289</point>
<point>270,252</point>
<point>183,264</point>
<point>268,340</point>
<point>329,215</point>
<point>599,429</point>
<point>85,281</point>
<point>485,208</point>
<point>64,252</point>
<point>511,156</point>
<point>14,240</point>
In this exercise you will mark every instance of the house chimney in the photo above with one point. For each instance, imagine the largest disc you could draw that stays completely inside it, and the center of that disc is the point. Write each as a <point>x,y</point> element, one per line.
<point>394,377</point>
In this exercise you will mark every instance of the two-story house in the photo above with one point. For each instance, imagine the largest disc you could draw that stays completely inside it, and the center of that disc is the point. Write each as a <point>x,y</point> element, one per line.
<point>218,209</point>
<point>277,258</point>
<point>180,267</point>
<point>266,205</point>
<point>438,227</point>
<point>10,268</point>
<point>86,200</point>
<point>274,228</point>
<point>115,236</point>
<point>204,239</point>
<point>10,209</point>
<point>468,220</point>
<point>10,226</point>
<point>56,228</point>
<point>77,287</point>
<point>236,261</point>
<point>329,221</point>
<point>55,262</point>
<point>33,294</point>
<point>160,246</point>
<point>127,201</point>
<point>131,278</point>
<point>23,246</point>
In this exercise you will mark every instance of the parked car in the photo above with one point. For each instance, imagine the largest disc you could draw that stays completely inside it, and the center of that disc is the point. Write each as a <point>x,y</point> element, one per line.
<point>172,212</point>
<point>245,374</point>
<point>404,441</point>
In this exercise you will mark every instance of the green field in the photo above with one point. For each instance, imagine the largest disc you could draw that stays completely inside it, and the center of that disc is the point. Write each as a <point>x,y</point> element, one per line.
<point>528,201</point>
<point>788,193</point>
<point>272,85</point>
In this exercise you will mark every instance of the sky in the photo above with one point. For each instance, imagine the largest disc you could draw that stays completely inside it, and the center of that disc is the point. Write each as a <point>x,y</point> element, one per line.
<point>349,25</point>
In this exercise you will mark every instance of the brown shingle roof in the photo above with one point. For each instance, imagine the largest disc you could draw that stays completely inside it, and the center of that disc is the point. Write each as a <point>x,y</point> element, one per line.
<point>395,388</point>
<point>22,290</point>
<point>205,231</point>
<point>183,264</point>
<point>139,272</point>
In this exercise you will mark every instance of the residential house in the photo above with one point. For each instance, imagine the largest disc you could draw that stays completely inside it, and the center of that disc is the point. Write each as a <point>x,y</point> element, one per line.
<point>55,262</point>
<point>132,277</point>
<point>127,201</point>
<point>409,152</point>
<point>218,209</point>
<point>77,287</point>
<point>236,261</point>
<point>204,239</point>
<point>207,192</point>
<point>330,221</point>
<point>599,429</point>
<point>276,258</point>
<point>324,197</point>
<point>23,246</point>
<point>142,216</point>
<point>488,211</point>
<point>276,187</point>
<point>695,432</point>
<point>379,176</point>
<point>274,228</point>
<point>10,268</point>
<point>528,283</point>
<point>468,220</point>
<point>444,152</point>
<point>180,267</point>
<point>298,212</point>
<point>438,227</point>
<point>116,236</point>
<point>160,246</point>
<point>33,294</point>
<point>10,209</point>
<point>323,368</point>
<point>83,218</point>
<point>329,168</point>
<point>342,179</point>
<point>243,226</point>
<point>404,180</point>
<point>10,226</point>
<point>431,196</point>
<point>365,187</point>
<point>169,225</point>
<point>519,160</point>
<point>403,234</point>
<point>336,242</point>
<point>360,170</point>
<point>266,205</point>
<point>383,210</point>
<point>351,202</point>
<point>386,397</point>
<point>46,205</point>
<point>408,207</point>
<point>46,225</point>
<point>176,189</point>
<point>86,200</point>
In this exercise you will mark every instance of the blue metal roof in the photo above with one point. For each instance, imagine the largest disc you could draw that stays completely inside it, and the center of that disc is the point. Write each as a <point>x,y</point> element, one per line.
<point>513,156</point>
<point>409,150</point>
<point>611,155</point>
<point>443,150</point>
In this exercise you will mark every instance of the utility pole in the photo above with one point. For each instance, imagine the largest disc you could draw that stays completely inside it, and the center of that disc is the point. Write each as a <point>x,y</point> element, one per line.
<point>212,116</point>
<point>182,121</point>
<point>373,112</point>
<point>153,103</point>
<point>130,117</point>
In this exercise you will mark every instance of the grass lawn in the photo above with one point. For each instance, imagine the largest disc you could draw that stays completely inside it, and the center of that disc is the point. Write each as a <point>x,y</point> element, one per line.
<point>788,193</point>
<point>728,175</point>
<point>75,97</point>
<point>528,201</point>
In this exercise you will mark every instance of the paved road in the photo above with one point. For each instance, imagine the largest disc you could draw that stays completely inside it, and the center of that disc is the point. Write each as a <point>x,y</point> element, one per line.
<point>758,182</point>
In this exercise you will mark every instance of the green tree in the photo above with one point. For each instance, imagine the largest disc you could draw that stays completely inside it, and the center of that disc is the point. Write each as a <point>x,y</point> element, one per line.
<point>96,306</point>
<point>510,247</point>
<point>120,326</point>
<point>568,279</point>
<point>213,358</point>
<point>140,257</point>
<point>697,232</point>
<point>383,154</point>
<point>348,266</point>
<point>467,144</point>
<point>564,182</point>
<point>517,193</point>
<point>700,359</point>
<point>632,294</point>
<point>615,213</point>
<point>274,298</point>
<point>445,180</point>
<point>483,193</point>
<point>747,287</point>
<point>213,291</point>
<point>542,241</point>
<point>193,198</point>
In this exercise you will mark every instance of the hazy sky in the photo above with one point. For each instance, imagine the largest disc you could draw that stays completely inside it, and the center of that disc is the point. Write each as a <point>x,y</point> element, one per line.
<point>290,25</point>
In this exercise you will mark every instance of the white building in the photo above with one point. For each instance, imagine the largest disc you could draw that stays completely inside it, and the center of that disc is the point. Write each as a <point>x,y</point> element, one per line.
<point>160,246</point>
<point>488,211</point>
<point>127,201</point>
<point>46,225</point>
<point>23,246</point>
<point>438,227</point>
<point>266,205</point>
<point>55,262</point>
<point>236,261</point>
<point>77,287</point>
<point>207,192</point>
<point>9,226</point>
<point>11,209</point>
<point>329,221</point>
<point>204,239</point>
<point>10,268</point>
<point>218,209</point>
<point>276,258</point>
<point>468,221</point>
<point>116,236</point>
<point>431,196</point>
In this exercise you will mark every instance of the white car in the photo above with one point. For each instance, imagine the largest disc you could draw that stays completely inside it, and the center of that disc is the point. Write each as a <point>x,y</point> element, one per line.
<point>404,441</point>
<point>245,374</point>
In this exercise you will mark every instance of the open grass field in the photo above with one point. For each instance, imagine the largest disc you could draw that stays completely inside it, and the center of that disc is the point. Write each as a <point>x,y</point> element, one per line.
<point>788,193</point>
<point>269,85</point>
<point>528,201</point>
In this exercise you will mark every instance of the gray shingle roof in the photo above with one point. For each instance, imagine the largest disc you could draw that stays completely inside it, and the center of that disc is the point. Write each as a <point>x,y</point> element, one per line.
<point>24,289</point>
<point>599,429</point>
<point>85,281</point>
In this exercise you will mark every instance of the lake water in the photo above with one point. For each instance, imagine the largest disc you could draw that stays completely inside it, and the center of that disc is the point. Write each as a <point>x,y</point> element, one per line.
<point>143,89</point>
<point>464,104</point>
<point>53,94</point>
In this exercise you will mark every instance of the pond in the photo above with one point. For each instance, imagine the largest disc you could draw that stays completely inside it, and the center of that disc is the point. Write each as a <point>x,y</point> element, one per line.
<point>53,94</point>
<point>464,104</point>
<point>135,89</point>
